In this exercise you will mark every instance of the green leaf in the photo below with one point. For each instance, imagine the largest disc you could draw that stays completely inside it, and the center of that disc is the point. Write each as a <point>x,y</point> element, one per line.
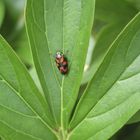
<point>21,104</point>
<point>112,96</point>
<point>135,118</point>
<point>108,11</point>
<point>9,133</point>
<point>104,40</point>
<point>2,12</point>
<point>65,26</point>
<point>34,75</point>
<point>15,8</point>
<point>136,3</point>
<point>14,19</point>
<point>109,31</point>
<point>21,46</point>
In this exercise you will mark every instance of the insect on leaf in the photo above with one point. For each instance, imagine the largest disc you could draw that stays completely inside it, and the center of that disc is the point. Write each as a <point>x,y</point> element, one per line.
<point>59,26</point>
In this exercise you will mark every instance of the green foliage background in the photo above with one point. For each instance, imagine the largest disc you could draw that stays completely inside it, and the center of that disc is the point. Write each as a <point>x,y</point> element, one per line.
<point>115,33</point>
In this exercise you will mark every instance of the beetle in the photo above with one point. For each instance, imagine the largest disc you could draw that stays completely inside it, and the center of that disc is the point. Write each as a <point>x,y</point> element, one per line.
<point>61,63</point>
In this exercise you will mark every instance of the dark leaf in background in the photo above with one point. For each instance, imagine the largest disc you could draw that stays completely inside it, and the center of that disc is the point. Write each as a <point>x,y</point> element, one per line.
<point>14,19</point>
<point>2,12</point>
<point>111,11</point>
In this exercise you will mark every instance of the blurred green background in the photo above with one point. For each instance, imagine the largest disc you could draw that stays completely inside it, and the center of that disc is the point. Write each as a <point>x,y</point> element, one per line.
<point>110,18</point>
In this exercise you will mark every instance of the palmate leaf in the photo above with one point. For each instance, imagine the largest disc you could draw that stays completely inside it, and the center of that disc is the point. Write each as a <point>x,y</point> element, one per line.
<point>59,25</point>
<point>112,96</point>
<point>24,113</point>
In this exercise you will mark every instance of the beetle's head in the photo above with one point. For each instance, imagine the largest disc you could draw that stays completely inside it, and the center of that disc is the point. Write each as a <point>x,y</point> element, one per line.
<point>59,54</point>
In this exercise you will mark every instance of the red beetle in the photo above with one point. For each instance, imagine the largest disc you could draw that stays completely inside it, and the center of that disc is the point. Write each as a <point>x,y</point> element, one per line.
<point>61,62</point>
